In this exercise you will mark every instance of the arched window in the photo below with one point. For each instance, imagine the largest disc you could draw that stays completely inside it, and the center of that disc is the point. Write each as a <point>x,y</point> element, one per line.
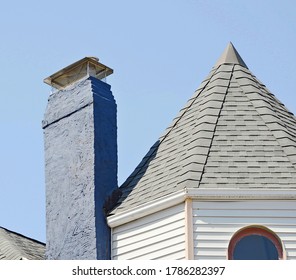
<point>255,243</point>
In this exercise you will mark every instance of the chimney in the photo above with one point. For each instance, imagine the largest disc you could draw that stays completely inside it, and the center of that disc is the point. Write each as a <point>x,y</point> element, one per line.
<point>80,135</point>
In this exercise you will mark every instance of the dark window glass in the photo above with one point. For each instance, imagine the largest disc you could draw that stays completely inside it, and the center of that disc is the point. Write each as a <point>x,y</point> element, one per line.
<point>255,247</point>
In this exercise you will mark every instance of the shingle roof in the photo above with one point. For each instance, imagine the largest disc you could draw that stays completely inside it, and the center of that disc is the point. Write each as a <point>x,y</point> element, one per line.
<point>14,246</point>
<point>233,133</point>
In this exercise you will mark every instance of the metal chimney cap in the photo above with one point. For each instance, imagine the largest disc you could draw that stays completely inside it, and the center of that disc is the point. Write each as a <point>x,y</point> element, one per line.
<point>88,66</point>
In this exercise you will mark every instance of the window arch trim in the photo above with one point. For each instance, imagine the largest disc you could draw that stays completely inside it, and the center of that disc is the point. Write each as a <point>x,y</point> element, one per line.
<point>255,230</point>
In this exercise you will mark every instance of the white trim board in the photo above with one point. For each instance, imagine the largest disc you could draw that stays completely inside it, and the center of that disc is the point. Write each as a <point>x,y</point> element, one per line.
<point>199,194</point>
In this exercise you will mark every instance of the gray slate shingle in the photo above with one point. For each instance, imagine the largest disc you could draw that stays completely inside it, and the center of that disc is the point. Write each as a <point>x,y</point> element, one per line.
<point>233,133</point>
<point>14,246</point>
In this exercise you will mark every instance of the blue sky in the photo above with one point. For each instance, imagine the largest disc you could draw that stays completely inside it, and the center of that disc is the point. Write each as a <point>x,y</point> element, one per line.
<point>160,52</point>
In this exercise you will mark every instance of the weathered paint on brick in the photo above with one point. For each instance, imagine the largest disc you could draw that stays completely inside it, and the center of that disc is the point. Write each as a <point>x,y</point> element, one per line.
<point>80,136</point>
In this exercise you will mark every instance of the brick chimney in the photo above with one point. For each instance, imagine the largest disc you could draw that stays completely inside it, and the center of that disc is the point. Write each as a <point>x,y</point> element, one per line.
<point>80,135</point>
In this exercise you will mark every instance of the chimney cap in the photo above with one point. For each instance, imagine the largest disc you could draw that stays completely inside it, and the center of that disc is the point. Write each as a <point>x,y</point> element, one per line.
<point>88,66</point>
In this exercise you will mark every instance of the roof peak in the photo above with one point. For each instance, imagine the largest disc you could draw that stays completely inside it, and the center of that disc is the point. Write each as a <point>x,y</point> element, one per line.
<point>230,56</point>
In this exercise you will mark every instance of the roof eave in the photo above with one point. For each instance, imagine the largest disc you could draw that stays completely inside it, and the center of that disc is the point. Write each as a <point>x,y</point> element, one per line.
<point>176,198</point>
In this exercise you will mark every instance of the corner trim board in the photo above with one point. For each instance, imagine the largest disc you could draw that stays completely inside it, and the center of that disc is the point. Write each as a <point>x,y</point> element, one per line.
<point>189,252</point>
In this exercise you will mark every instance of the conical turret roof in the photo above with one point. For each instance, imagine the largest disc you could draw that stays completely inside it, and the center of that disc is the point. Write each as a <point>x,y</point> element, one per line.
<point>232,134</point>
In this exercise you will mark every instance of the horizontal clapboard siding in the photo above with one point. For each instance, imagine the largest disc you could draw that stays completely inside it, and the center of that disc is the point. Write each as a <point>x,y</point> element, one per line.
<point>214,223</point>
<point>156,236</point>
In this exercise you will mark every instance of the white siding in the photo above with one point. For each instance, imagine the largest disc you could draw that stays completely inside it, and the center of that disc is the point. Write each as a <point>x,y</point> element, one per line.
<point>157,236</point>
<point>214,223</point>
